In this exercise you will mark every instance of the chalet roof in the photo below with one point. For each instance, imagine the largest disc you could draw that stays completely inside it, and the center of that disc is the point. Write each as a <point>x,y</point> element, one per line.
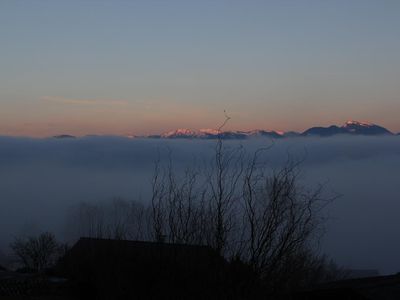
<point>126,249</point>
<point>133,245</point>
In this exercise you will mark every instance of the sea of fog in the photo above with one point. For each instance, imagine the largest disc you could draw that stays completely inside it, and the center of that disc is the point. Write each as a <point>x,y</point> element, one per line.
<point>41,179</point>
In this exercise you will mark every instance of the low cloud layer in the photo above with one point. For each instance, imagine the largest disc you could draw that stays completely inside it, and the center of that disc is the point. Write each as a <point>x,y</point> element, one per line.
<point>41,179</point>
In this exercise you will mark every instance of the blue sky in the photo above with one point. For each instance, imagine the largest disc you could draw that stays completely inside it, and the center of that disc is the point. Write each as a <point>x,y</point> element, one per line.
<point>139,67</point>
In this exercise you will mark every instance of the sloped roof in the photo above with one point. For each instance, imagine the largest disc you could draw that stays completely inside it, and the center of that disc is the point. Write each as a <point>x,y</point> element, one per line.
<point>133,245</point>
<point>126,249</point>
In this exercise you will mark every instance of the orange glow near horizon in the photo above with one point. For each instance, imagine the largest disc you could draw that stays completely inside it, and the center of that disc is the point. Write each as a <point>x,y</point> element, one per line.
<point>123,126</point>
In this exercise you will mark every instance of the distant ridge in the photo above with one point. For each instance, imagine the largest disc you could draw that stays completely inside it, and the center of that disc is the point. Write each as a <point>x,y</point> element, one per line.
<point>64,136</point>
<point>349,128</point>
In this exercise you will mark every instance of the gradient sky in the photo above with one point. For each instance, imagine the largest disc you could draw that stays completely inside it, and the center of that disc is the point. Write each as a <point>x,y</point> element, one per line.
<point>141,67</point>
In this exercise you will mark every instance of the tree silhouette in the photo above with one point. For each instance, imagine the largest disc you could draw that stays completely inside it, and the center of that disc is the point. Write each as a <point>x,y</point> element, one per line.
<point>37,253</point>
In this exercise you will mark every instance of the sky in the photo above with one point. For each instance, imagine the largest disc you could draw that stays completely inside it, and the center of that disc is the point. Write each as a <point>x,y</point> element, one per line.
<point>143,67</point>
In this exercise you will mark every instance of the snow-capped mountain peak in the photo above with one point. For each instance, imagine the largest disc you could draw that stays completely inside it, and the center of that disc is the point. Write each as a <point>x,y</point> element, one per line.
<point>262,132</point>
<point>214,133</point>
<point>357,123</point>
<point>350,127</point>
<point>209,131</point>
<point>181,132</point>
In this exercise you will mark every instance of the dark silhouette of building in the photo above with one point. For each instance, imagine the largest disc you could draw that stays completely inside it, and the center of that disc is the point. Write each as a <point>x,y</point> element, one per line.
<point>120,269</point>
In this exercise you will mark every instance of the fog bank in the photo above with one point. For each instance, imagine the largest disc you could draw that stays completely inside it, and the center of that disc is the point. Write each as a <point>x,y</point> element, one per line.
<point>40,179</point>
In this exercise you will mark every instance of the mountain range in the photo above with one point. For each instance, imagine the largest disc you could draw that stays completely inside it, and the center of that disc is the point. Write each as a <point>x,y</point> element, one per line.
<point>349,128</point>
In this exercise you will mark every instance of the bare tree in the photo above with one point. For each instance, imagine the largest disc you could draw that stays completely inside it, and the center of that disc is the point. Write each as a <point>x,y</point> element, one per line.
<point>88,220</point>
<point>157,204</point>
<point>116,219</point>
<point>175,205</point>
<point>280,220</point>
<point>266,218</point>
<point>198,206</point>
<point>37,253</point>
<point>223,177</point>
